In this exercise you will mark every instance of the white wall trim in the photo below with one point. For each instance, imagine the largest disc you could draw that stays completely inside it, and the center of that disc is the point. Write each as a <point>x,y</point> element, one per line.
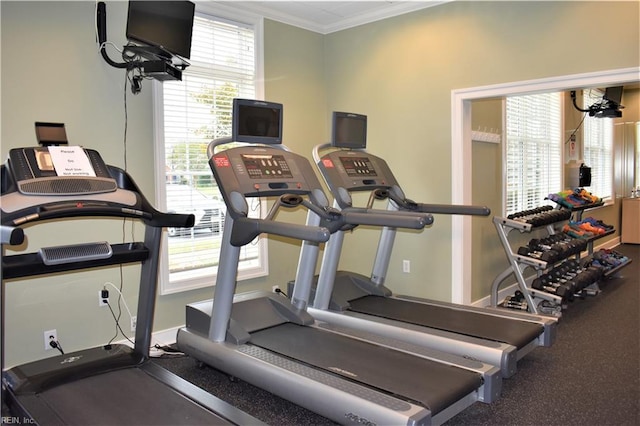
<point>461,157</point>
<point>338,23</point>
<point>166,337</point>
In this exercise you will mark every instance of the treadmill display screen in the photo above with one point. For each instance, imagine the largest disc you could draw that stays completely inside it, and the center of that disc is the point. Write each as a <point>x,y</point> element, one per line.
<point>267,166</point>
<point>358,166</point>
<point>43,159</point>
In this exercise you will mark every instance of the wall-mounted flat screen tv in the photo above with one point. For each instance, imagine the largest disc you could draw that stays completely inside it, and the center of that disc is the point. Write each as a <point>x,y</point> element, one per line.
<point>167,25</point>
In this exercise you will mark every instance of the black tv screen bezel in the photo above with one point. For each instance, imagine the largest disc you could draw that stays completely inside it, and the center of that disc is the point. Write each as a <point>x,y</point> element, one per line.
<point>336,141</point>
<point>613,94</point>
<point>165,42</point>
<point>241,107</point>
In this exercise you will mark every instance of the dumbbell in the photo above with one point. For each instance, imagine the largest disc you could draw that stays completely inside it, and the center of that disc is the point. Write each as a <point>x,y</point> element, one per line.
<point>517,301</point>
<point>516,305</point>
<point>529,212</point>
<point>551,216</point>
<point>539,245</point>
<point>549,308</point>
<point>543,283</point>
<point>582,277</point>
<point>569,285</point>
<point>545,256</point>
<point>562,277</point>
<point>592,274</point>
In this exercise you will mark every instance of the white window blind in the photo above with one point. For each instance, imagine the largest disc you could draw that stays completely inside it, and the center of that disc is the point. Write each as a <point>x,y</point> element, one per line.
<point>598,148</point>
<point>195,111</point>
<point>533,150</point>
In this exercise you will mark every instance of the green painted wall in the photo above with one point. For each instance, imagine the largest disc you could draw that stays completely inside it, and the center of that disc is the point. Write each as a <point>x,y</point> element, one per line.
<point>401,71</point>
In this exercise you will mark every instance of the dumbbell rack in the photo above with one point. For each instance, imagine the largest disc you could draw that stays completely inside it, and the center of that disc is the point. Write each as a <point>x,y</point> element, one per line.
<point>543,263</point>
<point>576,216</point>
<point>518,263</point>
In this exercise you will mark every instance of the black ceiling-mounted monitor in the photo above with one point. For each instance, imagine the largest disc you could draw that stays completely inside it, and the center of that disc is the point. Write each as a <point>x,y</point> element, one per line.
<point>613,94</point>
<point>610,106</point>
<point>256,121</point>
<point>166,25</point>
<point>349,130</point>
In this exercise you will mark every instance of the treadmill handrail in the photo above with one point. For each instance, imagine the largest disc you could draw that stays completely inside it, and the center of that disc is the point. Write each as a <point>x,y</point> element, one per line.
<point>394,219</point>
<point>12,236</point>
<point>454,209</point>
<point>410,205</point>
<point>450,209</point>
<point>158,218</point>
<point>334,219</point>
<point>155,219</point>
<point>246,229</point>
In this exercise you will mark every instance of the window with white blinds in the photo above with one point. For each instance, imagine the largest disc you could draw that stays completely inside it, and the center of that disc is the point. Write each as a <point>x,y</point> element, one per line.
<point>189,114</point>
<point>533,150</point>
<point>598,148</point>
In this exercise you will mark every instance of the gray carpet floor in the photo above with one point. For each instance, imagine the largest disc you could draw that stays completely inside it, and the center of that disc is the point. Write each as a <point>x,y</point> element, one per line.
<point>590,376</point>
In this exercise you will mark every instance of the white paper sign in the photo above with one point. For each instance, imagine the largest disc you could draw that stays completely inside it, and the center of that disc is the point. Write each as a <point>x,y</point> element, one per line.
<point>71,161</point>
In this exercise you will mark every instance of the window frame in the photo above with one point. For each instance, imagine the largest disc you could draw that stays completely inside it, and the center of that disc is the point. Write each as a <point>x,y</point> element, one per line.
<point>167,285</point>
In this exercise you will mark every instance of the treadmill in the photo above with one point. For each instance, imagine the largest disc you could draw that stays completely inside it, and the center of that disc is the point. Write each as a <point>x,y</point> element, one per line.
<point>264,339</point>
<point>348,299</point>
<point>114,384</point>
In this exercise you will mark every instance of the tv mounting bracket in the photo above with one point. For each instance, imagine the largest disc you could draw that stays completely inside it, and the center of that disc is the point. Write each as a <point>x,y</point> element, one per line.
<point>159,63</point>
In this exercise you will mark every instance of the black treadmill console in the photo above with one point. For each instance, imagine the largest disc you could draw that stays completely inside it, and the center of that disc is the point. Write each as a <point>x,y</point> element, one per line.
<point>358,166</point>
<point>261,171</point>
<point>264,168</point>
<point>59,170</point>
<point>355,171</point>
<point>41,183</point>
<point>267,166</point>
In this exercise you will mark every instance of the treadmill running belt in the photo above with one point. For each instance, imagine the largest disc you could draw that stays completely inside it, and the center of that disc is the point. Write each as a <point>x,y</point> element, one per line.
<point>122,397</point>
<point>431,384</point>
<point>516,333</point>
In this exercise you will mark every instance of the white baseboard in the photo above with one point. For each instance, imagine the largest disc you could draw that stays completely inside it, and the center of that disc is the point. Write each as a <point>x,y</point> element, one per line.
<point>510,289</point>
<point>161,338</point>
<point>165,337</point>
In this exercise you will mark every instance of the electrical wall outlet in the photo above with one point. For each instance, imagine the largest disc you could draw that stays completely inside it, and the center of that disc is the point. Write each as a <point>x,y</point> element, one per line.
<point>134,323</point>
<point>103,298</point>
<point>275,288</point>
<point>49,336</point>
<point>406,266</point>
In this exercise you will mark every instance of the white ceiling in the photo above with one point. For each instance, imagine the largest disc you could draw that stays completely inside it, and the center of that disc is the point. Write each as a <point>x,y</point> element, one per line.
<point>329,16</point>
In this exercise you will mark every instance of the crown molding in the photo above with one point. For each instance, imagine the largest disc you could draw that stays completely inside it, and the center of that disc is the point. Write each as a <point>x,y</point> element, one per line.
<point>392,9</point>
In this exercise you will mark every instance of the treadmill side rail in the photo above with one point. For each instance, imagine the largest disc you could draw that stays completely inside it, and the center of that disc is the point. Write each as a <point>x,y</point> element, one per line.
<point>40,375</point>
<point>340,400</point>
<point>548,323</point>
